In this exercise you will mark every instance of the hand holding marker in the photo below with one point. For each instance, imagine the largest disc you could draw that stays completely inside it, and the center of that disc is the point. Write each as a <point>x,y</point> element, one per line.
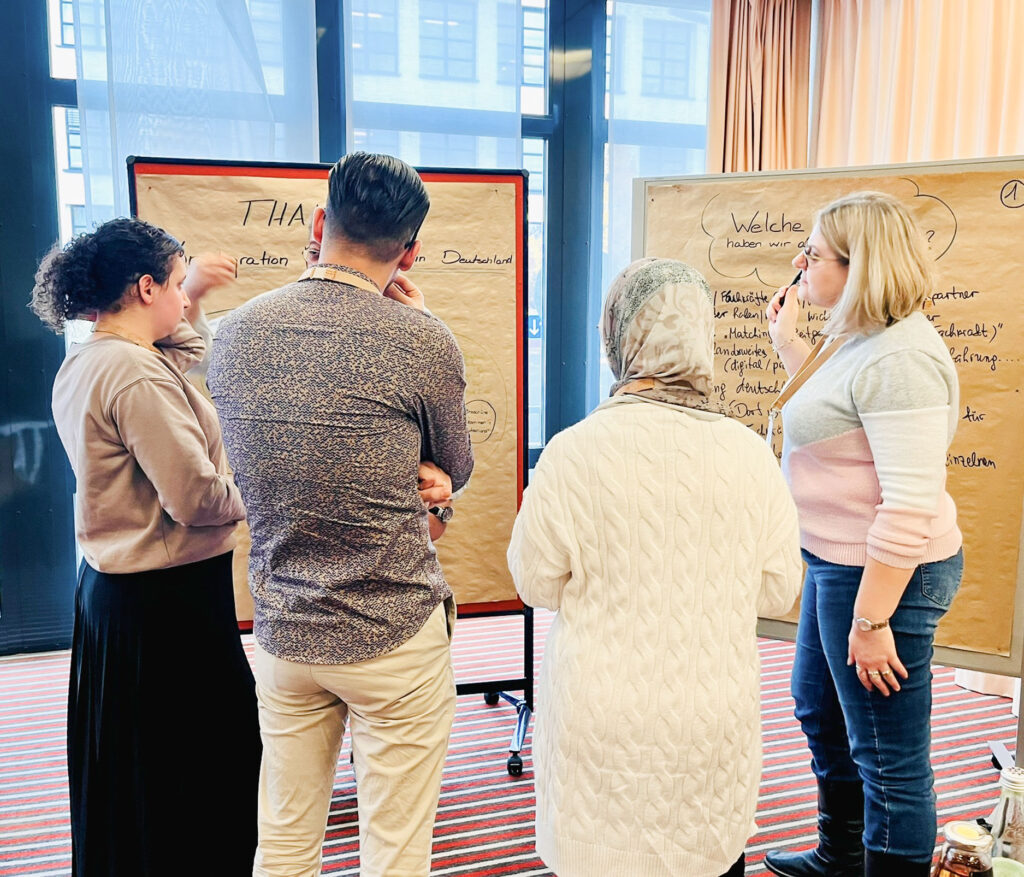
<point>796,280</point>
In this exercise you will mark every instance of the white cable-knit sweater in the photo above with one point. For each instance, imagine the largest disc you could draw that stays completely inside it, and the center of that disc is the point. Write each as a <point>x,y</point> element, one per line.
<point>658,535</point>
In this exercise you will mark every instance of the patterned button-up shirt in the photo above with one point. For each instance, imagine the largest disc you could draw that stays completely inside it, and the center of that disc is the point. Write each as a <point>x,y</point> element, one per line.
<point>329,396</point>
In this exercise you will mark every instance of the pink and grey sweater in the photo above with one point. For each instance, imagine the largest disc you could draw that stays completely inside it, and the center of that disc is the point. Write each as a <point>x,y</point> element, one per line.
<point>864,449</point>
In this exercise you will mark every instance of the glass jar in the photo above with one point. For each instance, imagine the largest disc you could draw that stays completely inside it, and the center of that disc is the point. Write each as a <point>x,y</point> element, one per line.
<point>1008,817</point>
<point>966,852</point>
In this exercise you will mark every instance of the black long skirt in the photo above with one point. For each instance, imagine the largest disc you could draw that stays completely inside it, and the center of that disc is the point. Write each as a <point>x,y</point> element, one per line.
<point>163,735</point>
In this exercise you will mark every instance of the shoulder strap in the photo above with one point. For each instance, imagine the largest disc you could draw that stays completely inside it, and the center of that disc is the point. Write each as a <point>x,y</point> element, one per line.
<point>818,356</point>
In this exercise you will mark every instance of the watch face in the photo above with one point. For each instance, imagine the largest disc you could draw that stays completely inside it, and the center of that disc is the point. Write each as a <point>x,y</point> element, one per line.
<point>867,625</point>
<point>443,513</point>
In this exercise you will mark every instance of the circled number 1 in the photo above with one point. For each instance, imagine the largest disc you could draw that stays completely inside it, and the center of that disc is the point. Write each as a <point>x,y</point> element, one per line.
<point>1012,194</point>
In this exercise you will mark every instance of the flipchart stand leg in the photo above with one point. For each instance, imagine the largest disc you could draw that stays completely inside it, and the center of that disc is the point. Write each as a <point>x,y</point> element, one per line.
<point>1000,755</point>
<point>495,691</point>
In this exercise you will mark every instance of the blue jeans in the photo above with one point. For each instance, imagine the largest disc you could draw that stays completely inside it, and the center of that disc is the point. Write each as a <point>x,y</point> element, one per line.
<point>859,735</point>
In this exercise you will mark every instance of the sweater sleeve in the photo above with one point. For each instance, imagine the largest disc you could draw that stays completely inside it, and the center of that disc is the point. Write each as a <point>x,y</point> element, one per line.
<point>904,400</point>
<point>538,553</point>
<point>160,430</point>
<point>185,346</point>
<point>781,576</point>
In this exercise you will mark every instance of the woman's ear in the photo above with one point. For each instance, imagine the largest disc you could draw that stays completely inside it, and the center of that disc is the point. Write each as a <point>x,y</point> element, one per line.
<point>145,286</point>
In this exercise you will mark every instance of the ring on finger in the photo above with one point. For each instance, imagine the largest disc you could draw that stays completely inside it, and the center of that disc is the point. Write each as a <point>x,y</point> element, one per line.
<point>874,674</point>
<point>887,672</point>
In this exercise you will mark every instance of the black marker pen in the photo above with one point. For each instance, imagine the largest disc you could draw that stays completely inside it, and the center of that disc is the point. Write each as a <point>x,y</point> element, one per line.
<point>796,280</point>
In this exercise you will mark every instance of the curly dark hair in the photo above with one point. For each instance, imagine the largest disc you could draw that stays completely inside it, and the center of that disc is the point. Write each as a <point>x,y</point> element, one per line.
<point>93,271</point>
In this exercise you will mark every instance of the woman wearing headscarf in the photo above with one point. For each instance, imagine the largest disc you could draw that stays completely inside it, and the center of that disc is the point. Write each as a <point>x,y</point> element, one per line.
<point>658,529</point>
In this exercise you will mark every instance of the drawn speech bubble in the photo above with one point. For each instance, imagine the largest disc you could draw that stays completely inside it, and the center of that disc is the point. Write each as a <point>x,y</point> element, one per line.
<point>751,237</point>
<point>481,419</point>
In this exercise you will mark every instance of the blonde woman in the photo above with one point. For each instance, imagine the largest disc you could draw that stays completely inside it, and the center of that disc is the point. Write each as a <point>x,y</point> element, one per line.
<point>864,454</point>
<point>658,529</point>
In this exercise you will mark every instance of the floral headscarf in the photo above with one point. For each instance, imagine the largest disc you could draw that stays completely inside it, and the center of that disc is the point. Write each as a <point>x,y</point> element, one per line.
<point>658,329</point>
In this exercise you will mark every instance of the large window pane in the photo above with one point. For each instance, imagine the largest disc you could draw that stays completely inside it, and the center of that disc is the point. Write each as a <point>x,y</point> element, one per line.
<point>657,90</point>
<point>453,98</point>
<point>210,80</point>
<point>463,69</point>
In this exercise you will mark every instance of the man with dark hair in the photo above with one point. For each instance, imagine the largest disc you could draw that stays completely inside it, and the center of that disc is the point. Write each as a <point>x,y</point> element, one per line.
<point>331,390</point>
<point>377,202</point>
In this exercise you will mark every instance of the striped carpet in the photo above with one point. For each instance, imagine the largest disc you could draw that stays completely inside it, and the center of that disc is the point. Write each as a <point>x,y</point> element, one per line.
<point>485,820</point>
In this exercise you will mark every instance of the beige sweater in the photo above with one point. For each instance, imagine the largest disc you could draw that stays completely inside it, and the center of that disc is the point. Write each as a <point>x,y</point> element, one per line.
<point>658,536</point>
<point>153,485</point>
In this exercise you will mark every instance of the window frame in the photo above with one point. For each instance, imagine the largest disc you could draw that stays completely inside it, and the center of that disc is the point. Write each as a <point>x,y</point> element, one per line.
<point>70,132</point>
<point>37,538</point>
<point>445,21</point>
<point>656,31</point>
<point>391,69</point>
<point>69,7</point>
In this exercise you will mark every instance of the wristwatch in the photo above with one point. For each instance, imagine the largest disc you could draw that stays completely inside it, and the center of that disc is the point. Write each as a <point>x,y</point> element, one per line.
<point>444,513</point>
<point>868,625</point>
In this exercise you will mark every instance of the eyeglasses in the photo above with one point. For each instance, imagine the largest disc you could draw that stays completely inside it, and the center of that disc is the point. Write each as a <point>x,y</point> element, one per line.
<point>415,235</point>
<point>814,258</point>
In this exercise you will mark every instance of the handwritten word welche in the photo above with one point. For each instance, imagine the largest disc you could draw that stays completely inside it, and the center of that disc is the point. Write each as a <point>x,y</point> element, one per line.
<point>755,225</point>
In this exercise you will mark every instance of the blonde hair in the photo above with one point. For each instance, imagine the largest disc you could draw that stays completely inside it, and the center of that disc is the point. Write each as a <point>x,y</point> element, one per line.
<point>890,271</point>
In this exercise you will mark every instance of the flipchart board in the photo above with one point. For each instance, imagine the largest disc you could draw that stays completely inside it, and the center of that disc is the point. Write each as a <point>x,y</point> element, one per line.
<point>742,231</point>
<point>472,270</point>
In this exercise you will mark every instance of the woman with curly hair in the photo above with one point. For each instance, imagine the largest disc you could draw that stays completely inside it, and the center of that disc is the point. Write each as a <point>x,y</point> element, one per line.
<point>163,739</point>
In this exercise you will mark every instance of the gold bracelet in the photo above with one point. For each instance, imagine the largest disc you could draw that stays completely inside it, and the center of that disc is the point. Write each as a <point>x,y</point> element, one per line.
<point>778,348</point>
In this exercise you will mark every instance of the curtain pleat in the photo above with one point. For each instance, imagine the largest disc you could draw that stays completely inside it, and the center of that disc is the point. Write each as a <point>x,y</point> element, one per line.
<point>919,80</point>
<point>760,63</point>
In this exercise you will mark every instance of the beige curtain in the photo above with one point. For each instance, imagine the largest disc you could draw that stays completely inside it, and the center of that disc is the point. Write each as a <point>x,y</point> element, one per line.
<point>919,80</point>
<point>760,63</point>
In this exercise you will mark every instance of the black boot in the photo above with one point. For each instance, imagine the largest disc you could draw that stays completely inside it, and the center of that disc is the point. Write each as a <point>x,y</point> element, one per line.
<point>738,868</point>
<point>840,851</point>
<point>885,865</point>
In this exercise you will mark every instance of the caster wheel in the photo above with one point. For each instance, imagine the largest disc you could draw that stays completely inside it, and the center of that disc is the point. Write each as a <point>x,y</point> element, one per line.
<point>515,766</point>
<point>491,698</point>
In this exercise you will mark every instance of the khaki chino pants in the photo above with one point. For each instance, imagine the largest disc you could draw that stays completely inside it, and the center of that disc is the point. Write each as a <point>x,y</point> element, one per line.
<point>400,705</point>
